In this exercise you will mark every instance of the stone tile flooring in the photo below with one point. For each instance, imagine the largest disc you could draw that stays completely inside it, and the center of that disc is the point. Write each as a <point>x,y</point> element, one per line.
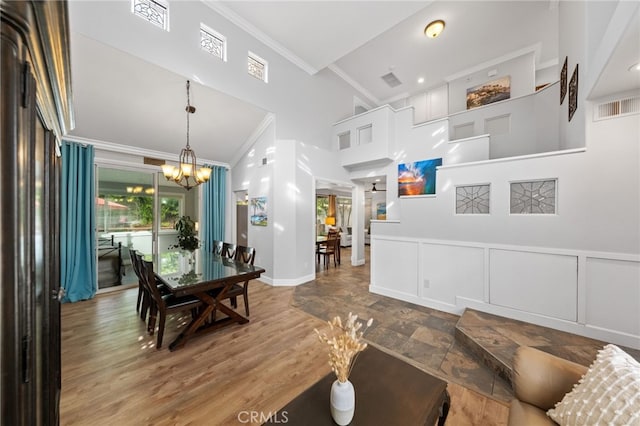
<point>420,336</point>
<point>426,337</point>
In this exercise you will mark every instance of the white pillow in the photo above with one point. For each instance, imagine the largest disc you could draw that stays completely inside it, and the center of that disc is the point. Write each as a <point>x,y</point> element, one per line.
<point>608,394</point>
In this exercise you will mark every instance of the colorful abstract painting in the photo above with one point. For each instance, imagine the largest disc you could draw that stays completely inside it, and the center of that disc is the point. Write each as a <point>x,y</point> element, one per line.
<point>418,178</point>
<point>492,91</point>
<point>259,211</point>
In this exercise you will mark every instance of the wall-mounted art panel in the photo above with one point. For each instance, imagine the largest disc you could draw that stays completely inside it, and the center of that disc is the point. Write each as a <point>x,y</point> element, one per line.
<point>259,211</point>
<point>473,199</point>
<point>533,197</point>
<point>418,178</point>
<point>489,92</point>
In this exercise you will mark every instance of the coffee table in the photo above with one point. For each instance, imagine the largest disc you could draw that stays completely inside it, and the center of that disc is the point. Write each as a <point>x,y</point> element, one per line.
<point>388,392</point>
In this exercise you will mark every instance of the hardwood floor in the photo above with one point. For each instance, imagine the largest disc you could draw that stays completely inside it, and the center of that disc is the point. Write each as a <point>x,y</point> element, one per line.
<point>113,374</point>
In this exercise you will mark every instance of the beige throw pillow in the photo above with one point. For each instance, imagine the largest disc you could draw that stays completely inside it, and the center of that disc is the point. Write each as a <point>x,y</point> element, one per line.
<point>608,394</point>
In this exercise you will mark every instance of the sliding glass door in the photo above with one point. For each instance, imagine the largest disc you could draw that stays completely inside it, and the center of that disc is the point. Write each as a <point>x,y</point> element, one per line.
<point>136,210</point>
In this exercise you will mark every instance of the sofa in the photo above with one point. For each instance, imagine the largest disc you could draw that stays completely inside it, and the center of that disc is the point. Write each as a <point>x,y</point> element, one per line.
<point>540,380</point>
<point>606,393</point>
<point>345,237</point>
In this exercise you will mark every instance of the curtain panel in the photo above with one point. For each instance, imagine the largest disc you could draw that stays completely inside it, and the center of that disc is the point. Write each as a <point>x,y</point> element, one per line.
<point>214,206</point>
<point>78,274</point>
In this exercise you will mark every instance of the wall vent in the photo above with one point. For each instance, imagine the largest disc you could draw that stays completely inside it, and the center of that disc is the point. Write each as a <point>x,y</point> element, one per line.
<point>617,108</point>
<point>391,80</point>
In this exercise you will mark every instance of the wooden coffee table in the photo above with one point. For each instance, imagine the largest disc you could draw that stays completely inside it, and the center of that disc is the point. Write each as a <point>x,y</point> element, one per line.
<point>388,392</point>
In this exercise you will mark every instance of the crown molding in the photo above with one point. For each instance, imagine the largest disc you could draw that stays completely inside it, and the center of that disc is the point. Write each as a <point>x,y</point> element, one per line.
<point>262,37</point>
<point>132,150</point>
<point>343,75</point>
<point>496,61</point>
<point>257,132</point>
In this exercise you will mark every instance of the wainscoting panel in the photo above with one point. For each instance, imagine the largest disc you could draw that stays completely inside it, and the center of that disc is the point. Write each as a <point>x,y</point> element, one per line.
<point>449,271</point>
<point>394,266</point>
<point>540,283</point>
<point>613,295</point>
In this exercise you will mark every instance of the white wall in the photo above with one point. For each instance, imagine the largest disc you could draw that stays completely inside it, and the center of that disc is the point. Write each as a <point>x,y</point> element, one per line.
<point>523,80</point>
<point>306,105</point>
<point>586,257</point>
<point>286,246</point>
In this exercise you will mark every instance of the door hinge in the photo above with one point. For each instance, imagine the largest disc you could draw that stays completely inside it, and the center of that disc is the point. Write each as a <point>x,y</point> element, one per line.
<point>25,84</point>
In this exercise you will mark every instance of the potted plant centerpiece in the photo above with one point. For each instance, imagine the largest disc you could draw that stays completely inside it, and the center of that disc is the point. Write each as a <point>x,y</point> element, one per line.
<point>187,235</point>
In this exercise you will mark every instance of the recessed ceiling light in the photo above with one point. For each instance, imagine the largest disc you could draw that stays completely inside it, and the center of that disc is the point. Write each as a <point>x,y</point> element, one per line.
<point>434,28</point>
<point>421,80</point>
<point>635,67</point>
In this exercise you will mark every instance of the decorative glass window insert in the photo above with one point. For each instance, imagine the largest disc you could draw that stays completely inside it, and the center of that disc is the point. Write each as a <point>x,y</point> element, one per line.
<point>257,67</point>
<point>213,42</point>
<point>533,197</point>
<point>472,199</point>
<point>155,12</point>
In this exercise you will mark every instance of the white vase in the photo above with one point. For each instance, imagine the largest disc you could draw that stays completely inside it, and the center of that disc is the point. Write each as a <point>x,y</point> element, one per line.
<point>343,402</point>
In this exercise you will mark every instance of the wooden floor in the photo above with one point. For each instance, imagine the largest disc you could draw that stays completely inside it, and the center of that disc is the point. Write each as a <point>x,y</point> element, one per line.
<point>112,374</point>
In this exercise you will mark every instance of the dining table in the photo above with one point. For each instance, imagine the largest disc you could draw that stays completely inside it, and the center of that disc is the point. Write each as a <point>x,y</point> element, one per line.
<point>198,274</point>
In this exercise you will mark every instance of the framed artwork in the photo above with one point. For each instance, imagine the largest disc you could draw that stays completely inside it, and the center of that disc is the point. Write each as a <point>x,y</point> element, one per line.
<point>259,211</point>
<point>573,93</point>
<point>487,93</point>
<point>563,81</point>
<point>381,211</point>
<point>418,178</point>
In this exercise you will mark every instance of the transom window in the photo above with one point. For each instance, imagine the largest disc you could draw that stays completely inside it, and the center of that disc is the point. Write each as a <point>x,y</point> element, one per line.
<point>154,11</point>
<point>258,67</point>
<point>213,42</point>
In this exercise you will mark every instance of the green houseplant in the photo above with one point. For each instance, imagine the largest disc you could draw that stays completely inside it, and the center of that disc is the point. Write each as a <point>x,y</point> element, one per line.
<point>187,235</point>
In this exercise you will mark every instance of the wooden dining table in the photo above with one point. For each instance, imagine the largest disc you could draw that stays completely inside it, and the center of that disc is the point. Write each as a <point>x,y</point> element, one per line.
<point>198,275</point>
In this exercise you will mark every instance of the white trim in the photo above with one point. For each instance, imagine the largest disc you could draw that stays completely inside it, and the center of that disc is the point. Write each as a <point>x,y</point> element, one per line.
<point>517,158</point>
<point>496,61</point>
<point>292,281</point>
<point>253,137</point>
<point>126,149</point>
<point>528,249</point>
<point>353,83</point>
<point>384,221</point>
<point>262,37</point>
<point>470,138</point>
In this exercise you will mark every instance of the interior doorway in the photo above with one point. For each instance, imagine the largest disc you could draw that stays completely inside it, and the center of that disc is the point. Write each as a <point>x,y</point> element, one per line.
<point>242,221</point>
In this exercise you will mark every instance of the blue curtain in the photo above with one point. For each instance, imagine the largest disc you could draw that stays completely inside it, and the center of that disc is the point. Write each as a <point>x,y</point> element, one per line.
<point>77,223</point>
<point>214,197</point>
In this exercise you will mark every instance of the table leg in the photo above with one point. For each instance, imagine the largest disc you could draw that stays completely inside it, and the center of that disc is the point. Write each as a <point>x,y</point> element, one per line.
<point>444,409</point>
<point>199,325</point>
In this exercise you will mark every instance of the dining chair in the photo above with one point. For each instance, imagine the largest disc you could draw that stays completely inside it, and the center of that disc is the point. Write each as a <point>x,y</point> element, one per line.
<point>141,290</point>
<point>329,248</point>
<point>245,255</point>
<point>228,250</point>
<point>217,247</point>
<point>163,305</point>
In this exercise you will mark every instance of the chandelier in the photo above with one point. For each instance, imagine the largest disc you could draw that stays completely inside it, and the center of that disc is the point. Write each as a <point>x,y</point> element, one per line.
<point>186,175</point>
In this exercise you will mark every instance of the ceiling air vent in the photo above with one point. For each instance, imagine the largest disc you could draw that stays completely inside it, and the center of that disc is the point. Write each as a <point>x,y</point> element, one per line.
<point>617,108</point>
<point>391,80</point>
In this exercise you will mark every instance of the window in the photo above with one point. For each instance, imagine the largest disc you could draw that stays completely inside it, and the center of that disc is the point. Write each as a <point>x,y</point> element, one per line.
<point>171,208</point>
<point>154,11</point>
<point>213,42</point>
<point>258,67</point>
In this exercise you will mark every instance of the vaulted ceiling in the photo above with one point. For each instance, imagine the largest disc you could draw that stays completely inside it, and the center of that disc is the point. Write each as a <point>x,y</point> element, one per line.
<point>118,97</point>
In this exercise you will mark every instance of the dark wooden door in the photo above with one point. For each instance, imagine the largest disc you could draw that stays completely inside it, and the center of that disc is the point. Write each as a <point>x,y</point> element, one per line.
<point>30,312</point>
